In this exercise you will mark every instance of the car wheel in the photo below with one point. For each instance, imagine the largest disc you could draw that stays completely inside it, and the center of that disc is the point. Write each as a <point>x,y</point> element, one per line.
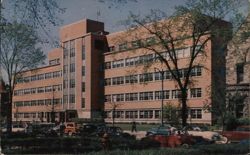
<point>186,146</point>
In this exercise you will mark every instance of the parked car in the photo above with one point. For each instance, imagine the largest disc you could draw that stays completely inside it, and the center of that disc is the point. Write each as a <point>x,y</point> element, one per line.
<point>184,140</point>
<point>210,135</point>
<point>161,130</point>
<point>91,129</point>
<point>71,128</point>
<point>15,128</point>
<point>41,129</point>
<point>111,131</point>
<point>241,133</point>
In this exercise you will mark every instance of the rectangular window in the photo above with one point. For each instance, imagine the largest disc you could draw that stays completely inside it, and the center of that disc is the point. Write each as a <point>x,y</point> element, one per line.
<point>118,63</point>
<point>118,114</point>
<point>107,65</point>
<point>146,114</point>
<point>166,95</point>
<point>196,71</point>
<point>176,94</point>
<point>72,98</point>
<point>117,97</point>
<point>33,78</point>
<point>40,90</point>
<point>123,46</point>
<point>40,102</point>
<point>195,92</point>
<point>40,77</point>
<point>196,113</point>
<point>26,91</point>
<point>72,83</point>
<point>48,75</point>
<point>146,77</point>
<point>131,114</point>
<point>118,80</point>
<point>157,113</point>
<point>48,102</point>
<point>66,49</point>
<point>65,69</point>
<point>131,79</point>
<point>112,48</point>
<point>83,70</point>
<point>166,75</point>
<point>83,86</point>
<point>33,90</point>
<point>72,48</point>
<point>107,82</point>
<point>33,103</point>
<point>146,96</point>
<point>83,52</point>
<point>65,99</point>
<point>65,84</point>
<point>83,102</point>
<point>131,97</point>
<point>48,89</point>
<point>240,72</point>
<point>107,98</point>
<point>72,67</point>
<point>136,43</point>
<point>56,74</point>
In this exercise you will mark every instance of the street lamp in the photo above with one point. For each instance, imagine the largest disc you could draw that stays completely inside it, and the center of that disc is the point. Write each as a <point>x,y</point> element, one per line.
<point>162,78</point>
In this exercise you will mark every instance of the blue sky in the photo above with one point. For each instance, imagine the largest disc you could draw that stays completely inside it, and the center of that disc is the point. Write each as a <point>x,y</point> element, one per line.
<point>110,14</point>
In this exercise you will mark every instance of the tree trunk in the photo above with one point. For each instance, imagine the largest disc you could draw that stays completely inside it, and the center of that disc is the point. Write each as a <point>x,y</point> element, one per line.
<point>184,108</point>
<point>9,114</point>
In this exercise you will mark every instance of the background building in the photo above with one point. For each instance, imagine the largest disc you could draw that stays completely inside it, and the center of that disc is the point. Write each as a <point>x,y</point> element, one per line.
<point>96,74</point>
<point>238,71</point>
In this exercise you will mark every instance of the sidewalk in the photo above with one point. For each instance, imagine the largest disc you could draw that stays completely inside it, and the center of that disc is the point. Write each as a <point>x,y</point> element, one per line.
<point>138,134</point>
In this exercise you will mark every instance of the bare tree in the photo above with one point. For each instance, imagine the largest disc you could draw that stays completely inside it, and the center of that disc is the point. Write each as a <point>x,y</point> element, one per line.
<point>193,24</point>
<point>19,52</point>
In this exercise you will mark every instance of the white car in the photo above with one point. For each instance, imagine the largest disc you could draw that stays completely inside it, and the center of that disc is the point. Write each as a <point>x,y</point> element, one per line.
<point>210,135</point>
<point>15,128</point>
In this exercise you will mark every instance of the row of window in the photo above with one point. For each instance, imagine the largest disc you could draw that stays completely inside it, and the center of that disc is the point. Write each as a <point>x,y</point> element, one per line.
<point>148,114</point>
<point>54,61</point>
<point>146,77</point>
<point>33,115</point>
<point>152,95</point>
<point>144,59</point>
<point>37,90</point>
<point>39,77</point>
<point>38,102</point>
<point>133,44</point>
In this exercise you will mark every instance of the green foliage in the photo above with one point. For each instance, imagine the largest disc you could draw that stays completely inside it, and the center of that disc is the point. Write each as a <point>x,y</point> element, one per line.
<point>170,113</point>
<point>244,121</point>
<point>231,122</point>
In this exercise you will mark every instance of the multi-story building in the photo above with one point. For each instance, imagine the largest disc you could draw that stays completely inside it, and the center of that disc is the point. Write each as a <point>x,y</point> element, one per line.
<point>104,75</point>
<point>238,71</point>
<point>37,94</point>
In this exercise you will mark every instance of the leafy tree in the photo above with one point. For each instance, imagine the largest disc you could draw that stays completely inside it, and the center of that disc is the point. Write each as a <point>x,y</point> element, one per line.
<point>194,23</point>
<point>171,114</point>
<point>19,52</point>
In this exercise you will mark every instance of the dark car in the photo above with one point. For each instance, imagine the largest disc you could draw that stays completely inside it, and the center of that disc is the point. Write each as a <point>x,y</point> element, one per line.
<point>112,131</point>
<point>41,129</point>
<point>241,133</point>
<point>161,130</point>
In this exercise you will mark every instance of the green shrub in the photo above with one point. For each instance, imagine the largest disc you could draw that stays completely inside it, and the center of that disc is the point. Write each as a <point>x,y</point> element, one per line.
<point>244,121</point>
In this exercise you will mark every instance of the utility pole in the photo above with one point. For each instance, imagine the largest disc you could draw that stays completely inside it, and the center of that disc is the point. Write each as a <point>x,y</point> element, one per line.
<point>162,78</point>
